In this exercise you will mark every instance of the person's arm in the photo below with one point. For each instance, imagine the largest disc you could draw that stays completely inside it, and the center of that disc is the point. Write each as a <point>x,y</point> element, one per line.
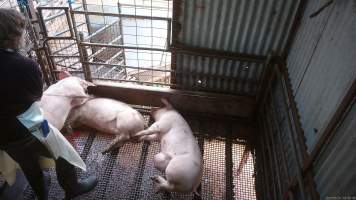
<point>34,79</point>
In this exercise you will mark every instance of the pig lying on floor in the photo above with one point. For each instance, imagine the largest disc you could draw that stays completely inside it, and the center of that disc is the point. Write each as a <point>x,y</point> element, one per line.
<point>61,97</point>
<point>110,116</point>
<point>180,157</point>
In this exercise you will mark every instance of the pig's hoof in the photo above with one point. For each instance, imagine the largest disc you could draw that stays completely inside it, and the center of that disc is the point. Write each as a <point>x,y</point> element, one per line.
<point>155,179</point>
<point>107,150</point>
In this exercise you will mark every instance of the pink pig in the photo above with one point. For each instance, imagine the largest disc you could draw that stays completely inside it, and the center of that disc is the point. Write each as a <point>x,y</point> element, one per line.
<point>110,116</point>
<point>58,100</point>
<point>180,157</point>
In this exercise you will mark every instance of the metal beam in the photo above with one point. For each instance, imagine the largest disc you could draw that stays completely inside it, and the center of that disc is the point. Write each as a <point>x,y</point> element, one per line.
<point>190,102</point>
<point>120,15</point>
<point>181,48</point>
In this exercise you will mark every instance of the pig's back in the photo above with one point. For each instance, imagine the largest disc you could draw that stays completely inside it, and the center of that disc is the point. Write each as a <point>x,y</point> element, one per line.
<point>109,115</point>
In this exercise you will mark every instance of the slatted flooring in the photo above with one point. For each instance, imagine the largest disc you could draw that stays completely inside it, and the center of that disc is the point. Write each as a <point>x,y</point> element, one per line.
<point>125,173</point>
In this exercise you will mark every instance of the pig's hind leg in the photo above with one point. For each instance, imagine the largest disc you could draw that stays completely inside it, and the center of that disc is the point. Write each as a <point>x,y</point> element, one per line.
<point>150,134</point>
<point>161,160</point>
<point>161,184</point>
<point>118,142</point>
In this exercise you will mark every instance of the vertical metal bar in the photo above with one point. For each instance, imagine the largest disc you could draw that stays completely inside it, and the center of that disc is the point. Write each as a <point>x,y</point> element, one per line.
<point>140,171</point>
<point>79,39</point>
<point>299,131</point>
<point>52,64</point>
<point>43,67</point>
<point>266,147</point>
<point>272,160</point>
<point>260,184</point>
<point>267,70</point>
<point>85,59</point>
<point>42,23</point>
<point>151,42</point>
<point>273,152</point>
<point>176,28</point>
<point>262,161</point>
<point>70,25</point>
<point>122,37</point>
<point>294,145</point>
<point>229,163</point>
<point>87,20</point>
<point>201,147</point>
<point>293,107</point>
<point>279,132</point>
<point>168,34</point>
<point>88,144</point>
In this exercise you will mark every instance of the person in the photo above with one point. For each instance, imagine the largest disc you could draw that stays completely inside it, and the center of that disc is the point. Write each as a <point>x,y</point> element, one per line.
<point>21,85</point>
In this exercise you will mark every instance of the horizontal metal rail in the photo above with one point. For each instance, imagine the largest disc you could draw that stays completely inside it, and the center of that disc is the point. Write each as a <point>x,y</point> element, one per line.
<point>122,46</point>
<point>119,15</point>
<point>108,62</point>
<point>100,30</point>
<point>64,48</point>
<point>53,8</point>
<point>143,7</point>
<point>134,81</point>
<point>102,49</point>
<point>110,71</point>
<point>194,74</point>
<point>67,30</point>
<point>71,71</point>
<point>65,56</point>
<point>130,67</point>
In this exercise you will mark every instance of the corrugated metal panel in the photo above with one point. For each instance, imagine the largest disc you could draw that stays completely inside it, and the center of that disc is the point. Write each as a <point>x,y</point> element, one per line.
<point>218,75</point>
<point>335,173</point>
<point>331,69</point>
<point>306,40</point>
<point>282,112</point>
<point>242,26</point>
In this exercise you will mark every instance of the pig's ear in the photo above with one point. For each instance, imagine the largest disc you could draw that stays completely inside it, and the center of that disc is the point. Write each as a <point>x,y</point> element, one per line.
<point>63,74</point>
<point>166,103</point>
<point>154,110</point>
<point>85,84</point>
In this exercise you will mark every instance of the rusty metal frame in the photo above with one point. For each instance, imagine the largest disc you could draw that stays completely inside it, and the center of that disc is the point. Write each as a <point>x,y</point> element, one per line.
<point>347,102</point>
<point>291,121</point>
<point>282,71</point>
<point>294,125</point>
<point>43,21</point>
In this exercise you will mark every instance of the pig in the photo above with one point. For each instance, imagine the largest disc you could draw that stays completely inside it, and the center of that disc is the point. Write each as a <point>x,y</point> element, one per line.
<point>110,116</point>
<point>180,157</point>
<point>58,100</point>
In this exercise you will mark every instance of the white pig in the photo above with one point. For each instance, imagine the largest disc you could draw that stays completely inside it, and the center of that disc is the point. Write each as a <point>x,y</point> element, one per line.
<point>110,116</point>
<point>180,157</point>
<point>61,97</point>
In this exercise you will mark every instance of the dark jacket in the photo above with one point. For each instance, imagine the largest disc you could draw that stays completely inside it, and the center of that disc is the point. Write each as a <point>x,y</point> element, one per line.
<point>20,85</point>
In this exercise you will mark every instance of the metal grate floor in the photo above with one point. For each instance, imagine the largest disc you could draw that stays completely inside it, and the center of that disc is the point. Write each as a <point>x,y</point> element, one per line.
<point>125,174</point>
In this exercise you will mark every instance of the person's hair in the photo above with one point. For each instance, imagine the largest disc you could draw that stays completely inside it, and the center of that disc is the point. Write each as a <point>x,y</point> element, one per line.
<point>12,25</point>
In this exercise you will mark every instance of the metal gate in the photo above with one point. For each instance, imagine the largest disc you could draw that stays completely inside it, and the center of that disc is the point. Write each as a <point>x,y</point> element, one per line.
<point>90,43</point>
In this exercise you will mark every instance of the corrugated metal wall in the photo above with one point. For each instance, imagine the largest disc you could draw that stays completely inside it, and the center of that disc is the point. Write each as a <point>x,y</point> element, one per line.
<point>244,26</point>
<point>218,75</point>
<point>322,68</point>
<point>240,26</point>
<point>279,154</point>
<point>335,173</point>
<point>322,63</point>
